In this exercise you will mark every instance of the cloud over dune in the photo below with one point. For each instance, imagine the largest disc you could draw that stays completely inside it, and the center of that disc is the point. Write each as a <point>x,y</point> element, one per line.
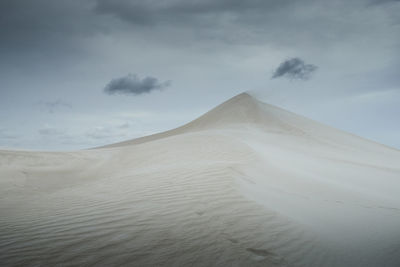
<point>132,84</point>
<point>294,68</point>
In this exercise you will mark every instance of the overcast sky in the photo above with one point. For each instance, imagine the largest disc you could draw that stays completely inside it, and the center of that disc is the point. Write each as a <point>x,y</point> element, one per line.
<point>78,74</point>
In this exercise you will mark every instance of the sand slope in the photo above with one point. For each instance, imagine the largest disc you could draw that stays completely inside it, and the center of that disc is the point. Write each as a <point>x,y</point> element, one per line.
<point>246,184</point>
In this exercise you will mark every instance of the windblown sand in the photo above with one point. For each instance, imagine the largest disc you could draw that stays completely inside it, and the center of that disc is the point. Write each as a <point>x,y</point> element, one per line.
<point>246,184</point>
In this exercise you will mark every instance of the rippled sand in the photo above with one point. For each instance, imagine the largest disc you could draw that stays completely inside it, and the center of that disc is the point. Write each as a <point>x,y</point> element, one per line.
<point>247,184</point>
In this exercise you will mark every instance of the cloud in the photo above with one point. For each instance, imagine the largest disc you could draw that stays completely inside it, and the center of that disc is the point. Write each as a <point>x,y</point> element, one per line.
<point>49,26</point>
<point>108,132</point>
<point>124,126</point>
<point>294,68</point>
<point>172,11</point>
<point>378,2</point>
<point>52,106</point>
<point>184,21</point>
<point>64,28</point>
<point>237,21</point>
<point>132,84</point>
<point>5,134</point>
<point>50,131</point>
<point>100,133</point>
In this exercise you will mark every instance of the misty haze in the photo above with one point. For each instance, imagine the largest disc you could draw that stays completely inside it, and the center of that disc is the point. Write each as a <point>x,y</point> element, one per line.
<point>200,133</point>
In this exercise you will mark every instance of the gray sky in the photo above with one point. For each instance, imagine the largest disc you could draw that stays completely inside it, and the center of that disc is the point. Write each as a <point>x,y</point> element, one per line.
<point>77,74</point>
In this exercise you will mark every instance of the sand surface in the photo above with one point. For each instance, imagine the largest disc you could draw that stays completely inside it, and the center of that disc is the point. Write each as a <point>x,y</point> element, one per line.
<point>246,184</point>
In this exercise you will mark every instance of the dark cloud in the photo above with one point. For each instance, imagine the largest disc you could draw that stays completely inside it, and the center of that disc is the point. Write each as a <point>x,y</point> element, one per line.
<point>132,84</point>
<point>135,12</point>
<point>191,21</point>
<point>153,12</point>
<point>59,28</point>
<point>294,68</point>
<point>46,28</point>
<point>56,28</point>
<point>377,2</point>
<point>234,21</point>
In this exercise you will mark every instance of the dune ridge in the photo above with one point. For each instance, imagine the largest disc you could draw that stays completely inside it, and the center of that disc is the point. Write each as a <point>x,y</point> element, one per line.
<point>246,184</point>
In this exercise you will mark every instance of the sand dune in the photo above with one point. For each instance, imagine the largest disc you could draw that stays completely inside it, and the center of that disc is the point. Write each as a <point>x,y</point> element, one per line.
<point>246,184</point>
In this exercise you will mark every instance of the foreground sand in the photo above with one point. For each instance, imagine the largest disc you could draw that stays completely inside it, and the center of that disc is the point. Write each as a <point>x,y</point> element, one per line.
<point>247,184</point>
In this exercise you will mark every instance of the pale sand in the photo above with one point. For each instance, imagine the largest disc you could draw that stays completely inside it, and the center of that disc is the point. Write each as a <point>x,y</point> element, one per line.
<point>246,184</point>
